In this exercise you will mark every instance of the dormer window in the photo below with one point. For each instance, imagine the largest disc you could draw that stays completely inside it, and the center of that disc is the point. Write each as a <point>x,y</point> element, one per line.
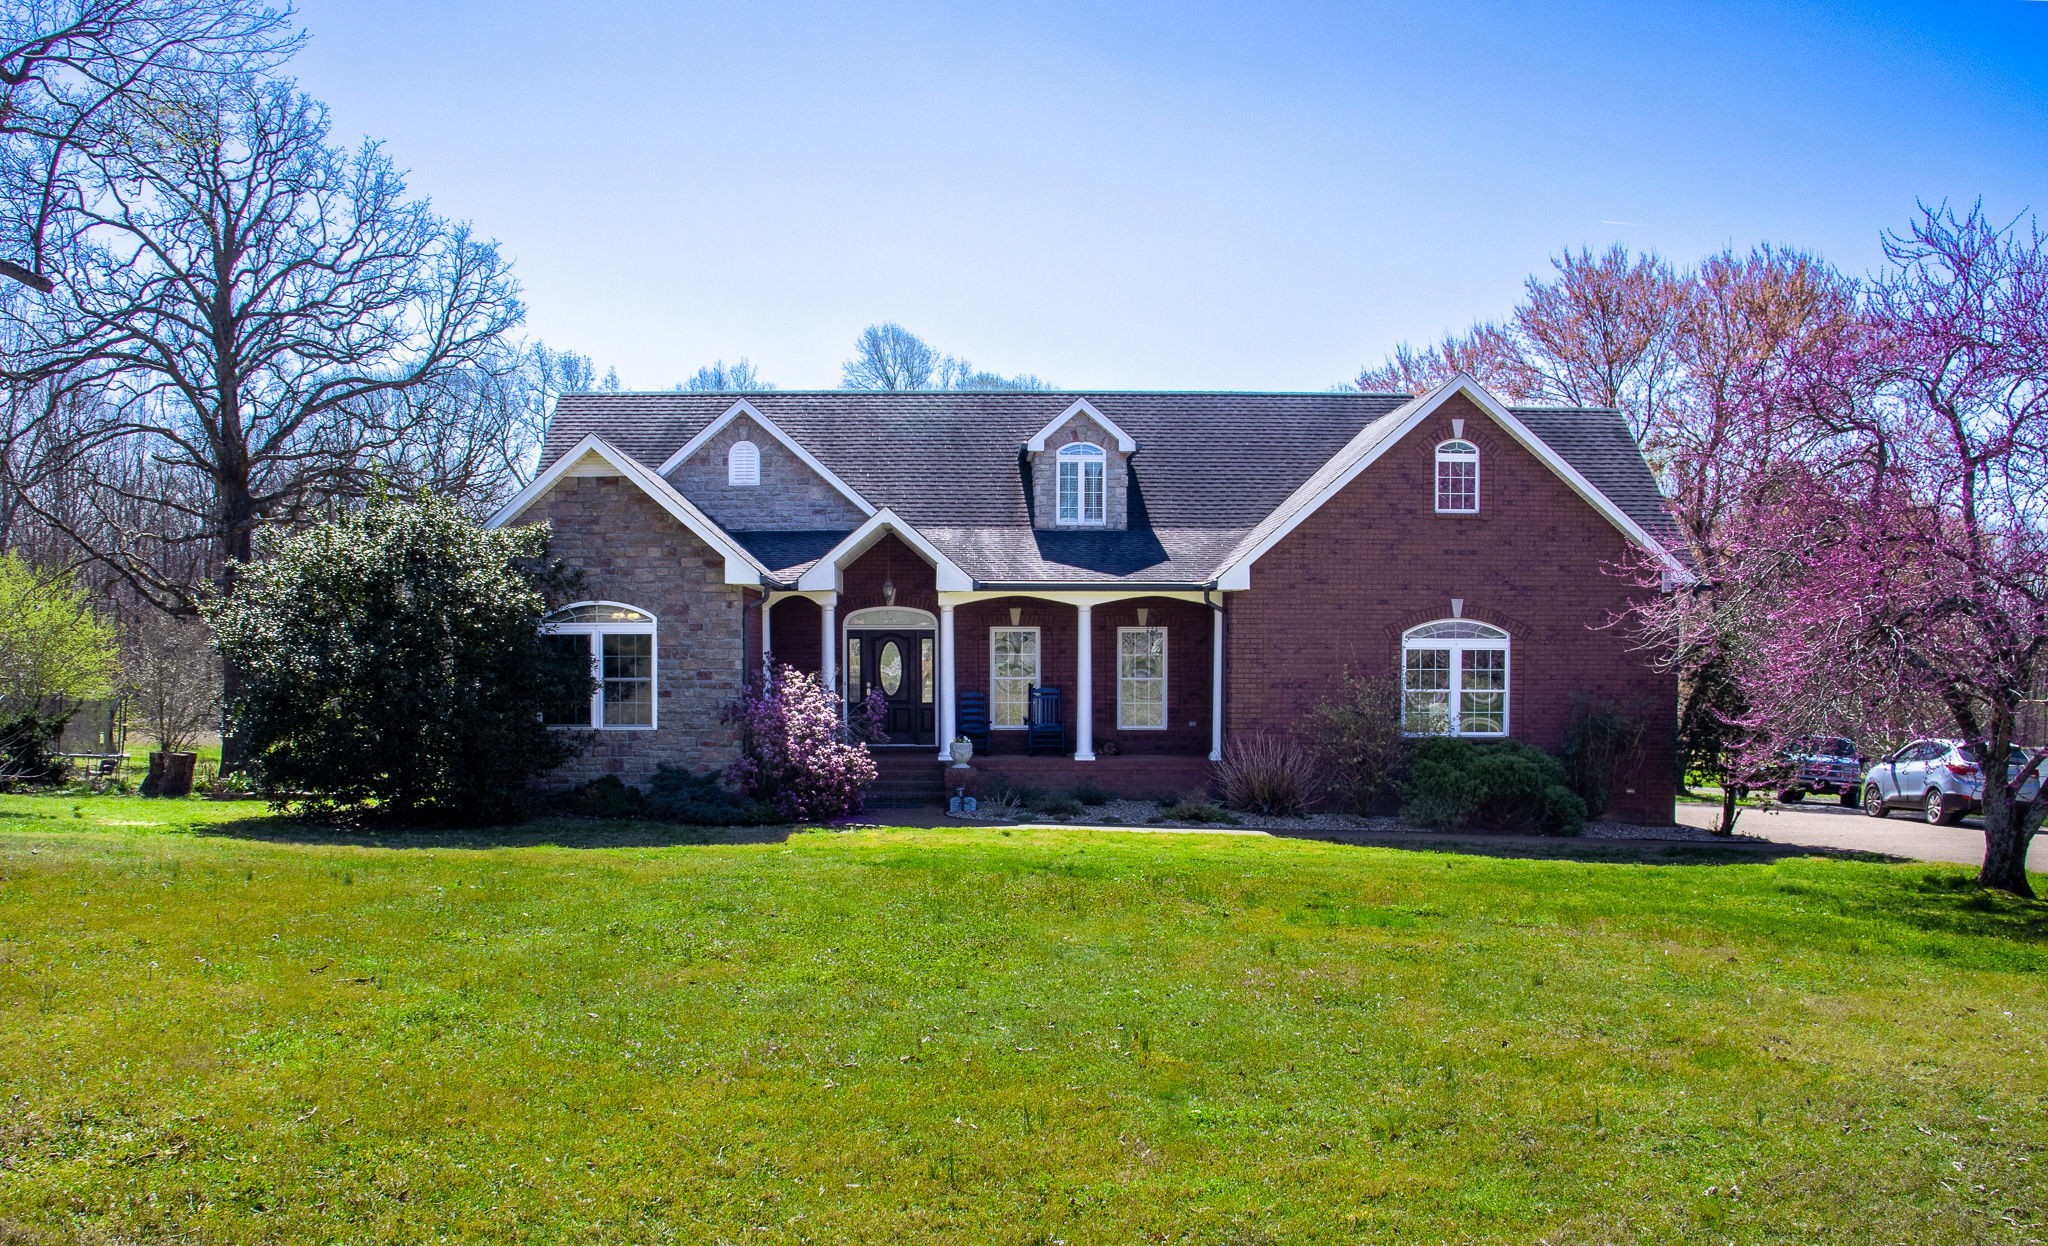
<point>743,464</point>
<point>1081,467</point>
<point>1457,478</point>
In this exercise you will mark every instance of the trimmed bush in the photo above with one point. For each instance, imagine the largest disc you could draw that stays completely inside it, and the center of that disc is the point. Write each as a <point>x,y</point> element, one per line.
<point>1456,785</point>
<point>1194,806</point>
<point>607,796</point>
<point>678,795</point>
<point>1267,774</point>
<point>1091,794</point>
<point>1053,805</point>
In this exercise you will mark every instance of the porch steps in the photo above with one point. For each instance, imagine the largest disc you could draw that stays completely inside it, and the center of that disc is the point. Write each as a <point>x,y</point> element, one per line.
<point>908,778</point>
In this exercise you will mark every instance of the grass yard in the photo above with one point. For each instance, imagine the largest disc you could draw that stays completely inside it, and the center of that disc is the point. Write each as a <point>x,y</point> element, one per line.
<point>219,1027</point>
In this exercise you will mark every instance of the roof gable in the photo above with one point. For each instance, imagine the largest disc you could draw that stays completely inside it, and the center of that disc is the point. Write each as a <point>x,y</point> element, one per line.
<point>1374,441</point>
<point>747,410</point>
<point>1083,409</point>
<point>741,567</point>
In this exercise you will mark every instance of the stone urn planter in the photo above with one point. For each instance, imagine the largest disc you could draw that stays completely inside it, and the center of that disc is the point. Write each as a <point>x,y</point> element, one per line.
<point>962,751</point>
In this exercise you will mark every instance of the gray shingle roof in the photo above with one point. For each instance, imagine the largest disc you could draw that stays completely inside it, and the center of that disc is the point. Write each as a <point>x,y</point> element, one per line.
<point>1209,467</point>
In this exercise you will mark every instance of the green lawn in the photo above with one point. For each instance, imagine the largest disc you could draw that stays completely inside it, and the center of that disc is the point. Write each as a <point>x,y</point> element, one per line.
<point>220,1027</point>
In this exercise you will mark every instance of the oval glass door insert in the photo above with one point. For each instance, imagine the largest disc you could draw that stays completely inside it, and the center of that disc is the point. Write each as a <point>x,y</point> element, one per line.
<point>889,665</point>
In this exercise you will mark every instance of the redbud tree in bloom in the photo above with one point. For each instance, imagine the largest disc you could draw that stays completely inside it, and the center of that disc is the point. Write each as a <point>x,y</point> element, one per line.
<point>1889,577</point>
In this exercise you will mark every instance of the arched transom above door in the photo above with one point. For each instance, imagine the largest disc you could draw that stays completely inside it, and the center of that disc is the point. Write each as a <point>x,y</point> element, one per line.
<point>892,617</point>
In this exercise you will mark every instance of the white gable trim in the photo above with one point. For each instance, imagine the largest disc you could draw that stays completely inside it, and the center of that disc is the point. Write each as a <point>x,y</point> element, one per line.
<point>1375,439</point>
<point>740,566</point>
<point>1124,441</point>
<point>748,409</point>
<point>823,575</point>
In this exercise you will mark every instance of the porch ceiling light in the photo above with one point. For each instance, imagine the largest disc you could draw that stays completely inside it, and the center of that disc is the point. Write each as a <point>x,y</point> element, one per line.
<point>888,592</point>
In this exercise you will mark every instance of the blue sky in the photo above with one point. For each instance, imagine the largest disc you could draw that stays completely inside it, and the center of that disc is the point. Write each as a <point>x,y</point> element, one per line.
<point>1186,195</point>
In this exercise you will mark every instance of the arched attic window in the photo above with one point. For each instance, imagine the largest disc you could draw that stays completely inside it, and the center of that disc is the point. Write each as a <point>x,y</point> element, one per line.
<point>618,642</point>
<point>1081,469</point>
<point>743,464</point>
<point>1457,478</point>
<point>1454,679</point>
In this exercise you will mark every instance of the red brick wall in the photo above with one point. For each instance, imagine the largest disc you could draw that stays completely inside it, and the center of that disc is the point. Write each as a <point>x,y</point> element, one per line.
<point>1376,560</point>
<point>1187,665</point>
<point>794,633</point>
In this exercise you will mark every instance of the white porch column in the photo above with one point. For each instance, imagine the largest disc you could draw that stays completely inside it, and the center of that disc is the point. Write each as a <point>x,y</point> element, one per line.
<point>945,681</point>
<point>828,662</point>
<point>1084,685</point>
<point>767,637</point>
<point>1216,685</point>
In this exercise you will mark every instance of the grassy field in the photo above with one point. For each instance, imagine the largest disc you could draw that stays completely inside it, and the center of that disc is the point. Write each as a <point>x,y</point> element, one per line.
<point>220,1027</point>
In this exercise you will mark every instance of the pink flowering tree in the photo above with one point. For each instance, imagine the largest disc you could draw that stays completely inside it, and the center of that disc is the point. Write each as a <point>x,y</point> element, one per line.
<point>1889,576</point>
<point>795,752</point>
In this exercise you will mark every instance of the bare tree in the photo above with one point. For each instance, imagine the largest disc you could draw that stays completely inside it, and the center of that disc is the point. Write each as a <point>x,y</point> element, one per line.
<point>171,676</point>
<point>68,66</point>
<point>890,357</point>
<point>267,321</point>
<point>740,376</point>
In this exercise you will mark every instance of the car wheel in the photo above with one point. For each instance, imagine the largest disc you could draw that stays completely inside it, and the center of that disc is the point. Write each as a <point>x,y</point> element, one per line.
<point>1873,801</point>
<point>1848,796</point>
<point>1791,796</point>
<point>1940,810</point>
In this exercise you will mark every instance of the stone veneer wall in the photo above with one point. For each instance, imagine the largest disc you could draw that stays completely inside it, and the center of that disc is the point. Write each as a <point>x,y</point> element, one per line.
<point>1116,475</point>
<point>790,498</point>
<point>630,550</point>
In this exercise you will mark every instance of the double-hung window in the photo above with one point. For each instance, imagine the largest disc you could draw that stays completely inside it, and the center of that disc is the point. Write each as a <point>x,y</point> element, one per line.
<point>1081,469</point>
<point>1457,478</point>
<point>1454,679</point>
<point>618,641</point>
<point>1012,673</point>
<point>1141,678</point>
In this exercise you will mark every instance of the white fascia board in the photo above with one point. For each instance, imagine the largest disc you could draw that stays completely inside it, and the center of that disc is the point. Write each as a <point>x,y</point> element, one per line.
<point>823,575</point>
<point>1124,441</point>
<point>740,566</point>
<point>1375,439</point>
<point>748,409</point>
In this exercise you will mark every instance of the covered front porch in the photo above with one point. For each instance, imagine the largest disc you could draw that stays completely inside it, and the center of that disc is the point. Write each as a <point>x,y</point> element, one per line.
<point>1136,673</point>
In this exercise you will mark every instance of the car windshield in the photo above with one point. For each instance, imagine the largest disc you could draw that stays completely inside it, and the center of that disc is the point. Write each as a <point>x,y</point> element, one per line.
<point>1833,746</point>
<point>2019,756</point>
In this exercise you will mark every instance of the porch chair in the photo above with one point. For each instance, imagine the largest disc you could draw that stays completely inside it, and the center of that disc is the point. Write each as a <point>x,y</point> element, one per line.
<point>972,710</point>
<point>1045,728</point>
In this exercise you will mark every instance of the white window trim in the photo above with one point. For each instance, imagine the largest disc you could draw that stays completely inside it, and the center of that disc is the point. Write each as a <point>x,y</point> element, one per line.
<point>1037,655</point>
<point>596,632</point>
<point>750,477</point>
<point>1459,647</point>
<point>1082,458</point>
<point>1165,650</point>
<point>1436,483</point>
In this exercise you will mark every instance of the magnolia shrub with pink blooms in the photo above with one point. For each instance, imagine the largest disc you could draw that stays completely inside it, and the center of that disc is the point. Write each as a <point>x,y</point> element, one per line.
<point>795,753</point>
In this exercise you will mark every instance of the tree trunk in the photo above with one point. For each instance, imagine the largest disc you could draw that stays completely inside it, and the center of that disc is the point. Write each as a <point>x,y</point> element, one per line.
<point>1729,811</point>
<point>238,546</point>
<point>2007,836</point>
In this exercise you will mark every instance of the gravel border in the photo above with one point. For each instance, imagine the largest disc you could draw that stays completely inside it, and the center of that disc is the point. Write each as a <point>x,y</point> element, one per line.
<point>1143,814</point>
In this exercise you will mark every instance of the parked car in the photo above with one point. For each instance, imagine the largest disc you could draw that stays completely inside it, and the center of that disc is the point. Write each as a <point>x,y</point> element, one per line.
<point>1941,778</point>
<point>1826,765</point>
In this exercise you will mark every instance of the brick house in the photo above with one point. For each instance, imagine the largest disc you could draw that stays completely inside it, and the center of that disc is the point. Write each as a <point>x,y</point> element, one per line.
<point>1186,568</point>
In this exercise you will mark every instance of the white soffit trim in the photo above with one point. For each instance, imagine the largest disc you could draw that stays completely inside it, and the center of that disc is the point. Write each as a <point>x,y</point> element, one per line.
<point>1373,440</point>
<point>740,566</point>
<point>748,409</point>
<point>823,575</point>
<point>1124,442</point>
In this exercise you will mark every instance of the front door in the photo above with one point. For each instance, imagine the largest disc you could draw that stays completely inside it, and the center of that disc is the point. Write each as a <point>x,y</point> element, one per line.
<point>899,665</point>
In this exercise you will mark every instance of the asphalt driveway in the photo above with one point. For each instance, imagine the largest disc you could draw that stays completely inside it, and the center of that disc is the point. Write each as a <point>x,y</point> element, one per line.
<point>1903,834</point>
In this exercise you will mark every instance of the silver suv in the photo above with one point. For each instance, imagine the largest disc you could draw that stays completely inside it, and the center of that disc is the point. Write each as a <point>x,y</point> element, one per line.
<point>1940,778</point>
